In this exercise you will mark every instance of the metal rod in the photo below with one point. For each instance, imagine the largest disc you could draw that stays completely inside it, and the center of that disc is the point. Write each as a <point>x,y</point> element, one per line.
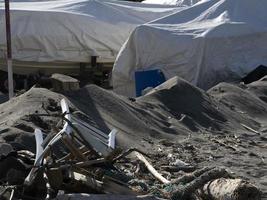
<point>9,51</point>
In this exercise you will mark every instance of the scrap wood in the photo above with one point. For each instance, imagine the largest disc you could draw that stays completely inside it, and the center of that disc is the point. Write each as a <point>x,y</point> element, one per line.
<point>151,168</point>
<point>79,164</point>
<point>74,150</point>
<point>50,191</point>
<point>26,153</point>
<point>90,182</point>
<point>82,149</point>
<point>225,145</point>
<point>185,191</point>
<point>75,129</point>
<point>55,177</point>
<point>250,129</point>
<point>112,186</point>
<point>230,189</point>
<point>127,152</point>
<point>190,177</point>
<point>103,197</point>
<point>88,135</point>
<point>93,138</point>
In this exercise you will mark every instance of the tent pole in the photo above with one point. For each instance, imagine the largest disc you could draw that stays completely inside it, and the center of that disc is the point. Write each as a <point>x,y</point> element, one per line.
<point>9,51</point>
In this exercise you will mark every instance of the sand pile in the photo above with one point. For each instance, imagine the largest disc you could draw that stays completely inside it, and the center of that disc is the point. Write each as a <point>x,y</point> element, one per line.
<point>259,88</point>
<point>196,109</point>
<point>172,110</point>
<point>225,126</point>
<point>17,126</point>
<point>243,100</point>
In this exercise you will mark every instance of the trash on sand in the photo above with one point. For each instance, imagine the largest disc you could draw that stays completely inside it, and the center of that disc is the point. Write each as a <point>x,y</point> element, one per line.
<point>94,165</point>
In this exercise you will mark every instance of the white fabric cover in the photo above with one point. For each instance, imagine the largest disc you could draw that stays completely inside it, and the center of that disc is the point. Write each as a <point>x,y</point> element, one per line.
<point>172,2</point>
<point>73,30</point>
<point>210,42</point>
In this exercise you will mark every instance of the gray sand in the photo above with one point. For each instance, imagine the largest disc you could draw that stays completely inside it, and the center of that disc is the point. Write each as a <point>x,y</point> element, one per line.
<point>225,126</point>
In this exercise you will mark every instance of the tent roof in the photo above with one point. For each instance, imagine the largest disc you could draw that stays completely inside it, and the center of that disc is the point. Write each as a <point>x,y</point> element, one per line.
<point>211,41</point>
<point>74,30</point>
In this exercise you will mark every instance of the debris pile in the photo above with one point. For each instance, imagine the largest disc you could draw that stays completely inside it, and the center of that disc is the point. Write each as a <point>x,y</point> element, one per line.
<point>86,145</point>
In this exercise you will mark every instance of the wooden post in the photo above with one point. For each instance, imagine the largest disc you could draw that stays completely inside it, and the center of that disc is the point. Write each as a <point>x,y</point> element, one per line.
<point>9,51</point>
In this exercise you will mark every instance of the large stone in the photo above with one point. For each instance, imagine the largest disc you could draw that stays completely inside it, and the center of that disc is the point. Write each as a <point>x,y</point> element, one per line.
<point>5,149</point>
<point>62,82</point>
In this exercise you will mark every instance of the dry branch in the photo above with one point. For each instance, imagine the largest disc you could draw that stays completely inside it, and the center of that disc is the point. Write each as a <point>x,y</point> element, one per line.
<point>152,169</point>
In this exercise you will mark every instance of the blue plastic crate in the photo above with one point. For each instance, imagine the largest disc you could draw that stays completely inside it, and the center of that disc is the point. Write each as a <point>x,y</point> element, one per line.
<point>149,78</point>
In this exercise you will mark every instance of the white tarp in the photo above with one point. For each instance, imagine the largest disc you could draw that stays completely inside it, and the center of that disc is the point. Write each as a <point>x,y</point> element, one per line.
<point>172,2</point>
<point>73,30</point>
<point>212,41</point>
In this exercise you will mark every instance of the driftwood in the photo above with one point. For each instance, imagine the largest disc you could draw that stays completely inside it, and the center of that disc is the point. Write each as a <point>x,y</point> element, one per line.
<point>102,197</point>
<point>152,170</point>
<point>190,177</point>
<point>94,166</point>
<point>185,191</point>
<point>230,189</point>
<point>250,129</point>
<point>213,183</point>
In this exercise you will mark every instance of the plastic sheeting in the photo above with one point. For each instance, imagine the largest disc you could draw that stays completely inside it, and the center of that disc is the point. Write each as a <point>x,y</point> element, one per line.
<point>172,2</point>
<point>210,42</point>
<point>73,30</point>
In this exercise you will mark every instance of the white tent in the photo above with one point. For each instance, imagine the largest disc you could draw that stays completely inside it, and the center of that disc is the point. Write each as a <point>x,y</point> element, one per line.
<point>212,41</point>
<point>73,30</point>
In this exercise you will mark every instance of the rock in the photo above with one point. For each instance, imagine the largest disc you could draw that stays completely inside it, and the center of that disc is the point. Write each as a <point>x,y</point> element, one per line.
<point>5,149</point>
<point>62,82</point>
<point>9,163</point>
